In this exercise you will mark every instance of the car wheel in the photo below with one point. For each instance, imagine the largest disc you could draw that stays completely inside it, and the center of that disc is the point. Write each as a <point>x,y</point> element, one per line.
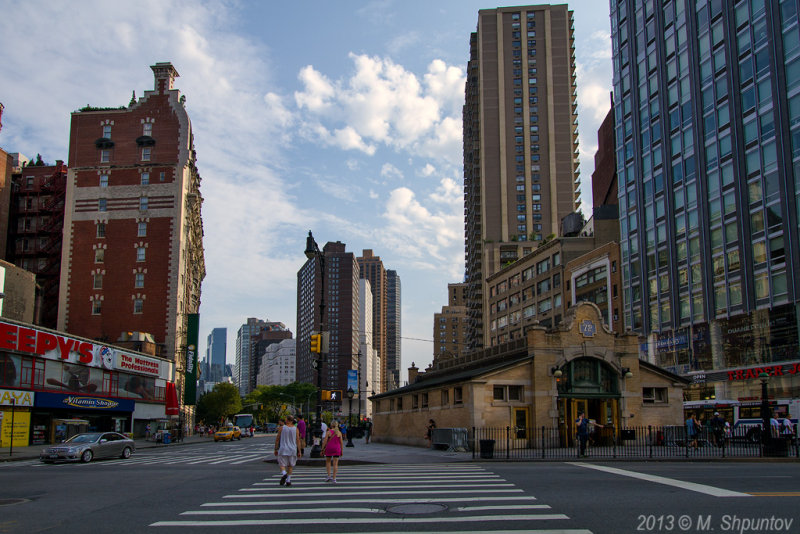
<point>126,452</point>
<point>215,440</point>
<point>87,456</point>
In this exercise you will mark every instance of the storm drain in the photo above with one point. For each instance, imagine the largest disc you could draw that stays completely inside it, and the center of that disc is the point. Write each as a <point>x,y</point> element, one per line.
<point>416,508</point>
<point>9,502</point>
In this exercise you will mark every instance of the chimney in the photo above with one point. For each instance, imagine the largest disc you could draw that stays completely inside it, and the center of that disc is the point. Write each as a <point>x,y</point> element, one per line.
<point>413,371</point>
<point>165,75</point>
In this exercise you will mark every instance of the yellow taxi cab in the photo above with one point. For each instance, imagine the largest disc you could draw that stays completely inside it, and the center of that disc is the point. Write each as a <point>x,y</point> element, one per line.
<point>228,433</point>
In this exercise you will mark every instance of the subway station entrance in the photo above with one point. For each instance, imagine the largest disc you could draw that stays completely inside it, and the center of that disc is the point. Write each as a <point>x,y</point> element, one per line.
<point>591,386</point>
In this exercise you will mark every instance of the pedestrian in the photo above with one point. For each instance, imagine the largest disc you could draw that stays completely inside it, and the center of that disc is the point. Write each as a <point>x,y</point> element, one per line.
<point>367,429</point>
<point>774,425</point>
<point>584,426</point>
<point>429,431</point>
<point>301,429</point>
<point>718,429</point>
<point>692,430</point>
<point>332,450</point>
<point>787,428</point>
<point>287,449</point>
<point>147,432</point>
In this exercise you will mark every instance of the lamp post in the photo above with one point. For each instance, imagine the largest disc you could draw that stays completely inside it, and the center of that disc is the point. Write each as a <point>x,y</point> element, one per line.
<point>765,415</point>
<point>313,252</point>
<point>350,394</point>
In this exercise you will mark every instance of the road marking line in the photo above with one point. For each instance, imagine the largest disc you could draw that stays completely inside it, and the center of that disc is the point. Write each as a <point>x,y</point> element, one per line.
<point>302,493</point>
<point>362,520</point>
<point>296,502</point>
<point>776,494</point>
<point>691,486</point>
<point>506,507</point>
<point>349,486</point>
<point>286,511</point>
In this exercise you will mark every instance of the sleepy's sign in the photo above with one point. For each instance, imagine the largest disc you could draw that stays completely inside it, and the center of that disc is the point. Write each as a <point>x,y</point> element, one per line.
<point>18,338</point>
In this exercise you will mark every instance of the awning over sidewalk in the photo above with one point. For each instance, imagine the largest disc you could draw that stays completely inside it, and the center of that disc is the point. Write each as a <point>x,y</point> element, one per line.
<point>172,399</point>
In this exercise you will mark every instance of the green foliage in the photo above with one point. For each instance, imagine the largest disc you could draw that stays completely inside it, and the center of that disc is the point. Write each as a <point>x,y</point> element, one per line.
<point>270,403</point>
<point>219,404</point>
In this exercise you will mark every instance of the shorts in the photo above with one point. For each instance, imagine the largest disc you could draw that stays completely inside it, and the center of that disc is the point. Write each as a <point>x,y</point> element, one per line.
<point>287,461</point>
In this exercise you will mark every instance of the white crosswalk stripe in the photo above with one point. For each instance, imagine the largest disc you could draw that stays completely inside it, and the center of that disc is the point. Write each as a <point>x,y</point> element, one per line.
<point>378,498</point>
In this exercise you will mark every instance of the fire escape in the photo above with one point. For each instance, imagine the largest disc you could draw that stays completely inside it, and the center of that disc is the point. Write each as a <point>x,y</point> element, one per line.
<point>53,192</point>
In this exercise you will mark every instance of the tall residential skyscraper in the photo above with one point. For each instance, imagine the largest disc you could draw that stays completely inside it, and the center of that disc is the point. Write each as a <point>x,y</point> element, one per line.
<point>341,318</point>
<point>132,254</point>
<point>252,340</point>
<point>707,111</point>
<point>520,141</point>
<point>450,325</point>
<point>371,268</point>
<point>216,351</point>
<point>393,329</point>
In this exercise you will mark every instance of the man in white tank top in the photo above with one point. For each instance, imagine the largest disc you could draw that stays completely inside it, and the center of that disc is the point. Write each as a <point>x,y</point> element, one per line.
<point>287,449</point>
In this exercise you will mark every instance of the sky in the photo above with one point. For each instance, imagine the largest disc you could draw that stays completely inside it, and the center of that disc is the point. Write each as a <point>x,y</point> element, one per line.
<point>343,118</point>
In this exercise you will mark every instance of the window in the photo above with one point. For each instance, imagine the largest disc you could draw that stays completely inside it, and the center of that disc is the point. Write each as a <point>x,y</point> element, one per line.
<point>655,395</point>
<point>103,180</point>
<point>101,229</point>
<point>424,400</point>
<point>107,132</point>
<point>457,396</point>
<point>142,229</point>
<point>97,307</point>
<point>138,280</point>
<point>105,156</point>
<point>514,393</point>
<point>146,153</point>
<point>445,397</point>
<point>97,281</point>
<point>142,203</point>
<point>99,255</point>
<point>138,304</point>
<point>140,254</point>
<point>101,204</point>
<point>145,178</point>
<point>147,128</point>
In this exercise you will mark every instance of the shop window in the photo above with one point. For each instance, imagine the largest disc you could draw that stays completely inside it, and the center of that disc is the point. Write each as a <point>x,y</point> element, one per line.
<point>655,395</point>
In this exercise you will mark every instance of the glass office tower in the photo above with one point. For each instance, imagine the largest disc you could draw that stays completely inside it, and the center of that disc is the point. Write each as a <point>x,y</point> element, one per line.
<point>707,106</point>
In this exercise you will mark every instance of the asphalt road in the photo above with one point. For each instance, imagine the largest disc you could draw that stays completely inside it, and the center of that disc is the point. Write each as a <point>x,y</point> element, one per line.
<point>214,487</point>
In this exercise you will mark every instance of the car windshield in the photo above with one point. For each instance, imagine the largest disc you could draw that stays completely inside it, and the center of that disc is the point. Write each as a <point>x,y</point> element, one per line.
<point>83,438</point>
<point>225,430</point>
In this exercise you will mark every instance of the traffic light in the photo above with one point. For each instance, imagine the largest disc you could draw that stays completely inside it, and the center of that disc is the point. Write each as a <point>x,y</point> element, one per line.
<point>333,395</point>
<point>316,343</point>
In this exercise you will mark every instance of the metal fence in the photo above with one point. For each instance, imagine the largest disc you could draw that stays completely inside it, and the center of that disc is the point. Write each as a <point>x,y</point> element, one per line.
<point>666,442</point>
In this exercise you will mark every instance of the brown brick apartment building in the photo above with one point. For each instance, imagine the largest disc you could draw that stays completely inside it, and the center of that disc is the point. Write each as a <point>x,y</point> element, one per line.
<point>132,256</point>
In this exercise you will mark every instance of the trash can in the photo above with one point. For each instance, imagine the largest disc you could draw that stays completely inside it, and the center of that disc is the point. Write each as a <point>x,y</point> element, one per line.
<point>166,437</point>
<point>487,448</point>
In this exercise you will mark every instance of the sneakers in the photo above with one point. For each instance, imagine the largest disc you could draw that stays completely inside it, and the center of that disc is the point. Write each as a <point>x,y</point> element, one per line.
<point>283,479</point>
<point>288,484</point>
<point>333,481</point>
<point>328,479</point>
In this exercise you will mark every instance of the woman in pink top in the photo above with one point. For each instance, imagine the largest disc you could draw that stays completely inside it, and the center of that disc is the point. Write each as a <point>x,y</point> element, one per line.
<point>332,450</point>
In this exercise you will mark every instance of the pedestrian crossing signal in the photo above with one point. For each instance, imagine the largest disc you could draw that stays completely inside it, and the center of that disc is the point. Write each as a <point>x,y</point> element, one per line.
<point>334,395</point>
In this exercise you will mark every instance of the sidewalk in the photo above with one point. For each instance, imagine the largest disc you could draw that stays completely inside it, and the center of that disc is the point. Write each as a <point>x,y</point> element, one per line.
<point>360,452</point>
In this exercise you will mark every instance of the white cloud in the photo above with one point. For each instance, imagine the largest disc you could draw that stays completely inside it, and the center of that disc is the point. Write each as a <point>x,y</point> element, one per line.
<point>390,171</point>
<point>318,90</point>
<point>427,170</point>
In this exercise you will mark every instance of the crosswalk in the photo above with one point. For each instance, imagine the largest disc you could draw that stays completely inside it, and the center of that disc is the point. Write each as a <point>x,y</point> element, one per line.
<point>382,498</point>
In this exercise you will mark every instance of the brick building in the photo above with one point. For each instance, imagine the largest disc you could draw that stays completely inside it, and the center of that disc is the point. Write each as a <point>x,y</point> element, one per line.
<point>132,258</point>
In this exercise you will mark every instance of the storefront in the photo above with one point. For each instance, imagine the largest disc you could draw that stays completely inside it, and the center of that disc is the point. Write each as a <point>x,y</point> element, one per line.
<point>79,384</point>
<point>15,416</point>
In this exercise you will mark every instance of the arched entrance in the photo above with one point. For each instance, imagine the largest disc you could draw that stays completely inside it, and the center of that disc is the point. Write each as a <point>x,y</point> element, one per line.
<point>588,385</point>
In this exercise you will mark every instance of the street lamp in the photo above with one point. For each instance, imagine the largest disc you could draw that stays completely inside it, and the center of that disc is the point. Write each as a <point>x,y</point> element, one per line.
<point>350,394</point>
<point>313,252</point>
<point>765,415</point>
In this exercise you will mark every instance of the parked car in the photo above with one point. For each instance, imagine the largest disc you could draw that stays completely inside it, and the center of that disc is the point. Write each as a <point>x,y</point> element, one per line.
<point>85,447</point>
<point>228,433</point>
<point>271,428</point>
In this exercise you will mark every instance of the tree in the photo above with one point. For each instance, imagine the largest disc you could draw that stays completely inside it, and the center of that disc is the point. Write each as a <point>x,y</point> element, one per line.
<point>219,404</point>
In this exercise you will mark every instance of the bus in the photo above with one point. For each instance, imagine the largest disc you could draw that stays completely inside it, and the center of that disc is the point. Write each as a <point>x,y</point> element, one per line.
<point>245,423</point>
<point>744,415</point>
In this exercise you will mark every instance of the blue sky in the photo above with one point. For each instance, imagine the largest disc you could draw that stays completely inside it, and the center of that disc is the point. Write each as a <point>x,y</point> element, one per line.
<point>343,118</point>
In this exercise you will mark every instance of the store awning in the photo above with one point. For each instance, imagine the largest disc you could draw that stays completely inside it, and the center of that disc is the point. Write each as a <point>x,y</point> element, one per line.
<point>172,399</point>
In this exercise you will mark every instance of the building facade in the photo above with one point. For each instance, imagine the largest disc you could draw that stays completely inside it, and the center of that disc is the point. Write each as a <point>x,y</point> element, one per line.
<point>371,268</point>
<point>369,366</point>
<point>132,253</point>
<point>340,318</point>
<point>252,339</point>
<point>394,340</point>
<point>35,225</point>
<point>450,325</point>
<point>278,364</point>
<point>216,354</point>
<point>520,141</point>
<point>707,114</point>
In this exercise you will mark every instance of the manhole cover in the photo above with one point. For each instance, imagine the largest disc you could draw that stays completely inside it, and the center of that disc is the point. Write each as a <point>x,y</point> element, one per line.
<point>9,502</point>
<point>416,508</point>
